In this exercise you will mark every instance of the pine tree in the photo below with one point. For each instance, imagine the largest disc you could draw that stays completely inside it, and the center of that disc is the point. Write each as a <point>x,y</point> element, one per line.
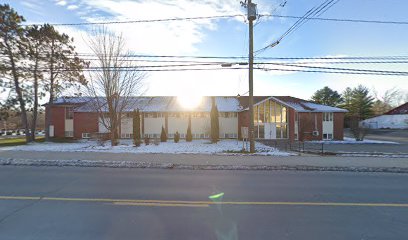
<point>189,136</point>
<point>63,66</point>
<point>358,102</point>
<point>12,35</point>
<point>215,125</point>
<point>35,47</point>
<point>327,96</point>
<point>136,128</point>
<point>163,135</point>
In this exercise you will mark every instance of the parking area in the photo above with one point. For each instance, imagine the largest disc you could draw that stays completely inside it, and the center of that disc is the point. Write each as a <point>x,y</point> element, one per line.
<point>394,135</point>
<point>385,141</point>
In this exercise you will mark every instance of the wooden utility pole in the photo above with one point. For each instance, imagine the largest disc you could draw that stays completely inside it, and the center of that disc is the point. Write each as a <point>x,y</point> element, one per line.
<point>251,10</point>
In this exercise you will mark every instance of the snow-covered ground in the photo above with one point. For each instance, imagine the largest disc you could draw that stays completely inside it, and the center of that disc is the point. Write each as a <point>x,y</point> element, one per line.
<point>126,146</point>
<point>353,141</point>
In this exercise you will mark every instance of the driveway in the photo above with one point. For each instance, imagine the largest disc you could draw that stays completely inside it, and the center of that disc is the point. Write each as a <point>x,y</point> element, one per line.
<point>394,135</point>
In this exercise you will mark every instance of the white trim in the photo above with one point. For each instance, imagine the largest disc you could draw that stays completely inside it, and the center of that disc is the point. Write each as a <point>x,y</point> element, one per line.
<point>86,135</point>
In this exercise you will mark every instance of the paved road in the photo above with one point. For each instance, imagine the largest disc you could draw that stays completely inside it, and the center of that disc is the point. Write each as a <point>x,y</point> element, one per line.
<point>102,203</point>
<point>213,160</point>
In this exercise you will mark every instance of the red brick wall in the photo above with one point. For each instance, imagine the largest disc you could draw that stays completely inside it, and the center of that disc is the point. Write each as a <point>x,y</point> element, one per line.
<point>307,126</point>
<point>338,126</point>
<point>57,116</point>
<point>85,123</point>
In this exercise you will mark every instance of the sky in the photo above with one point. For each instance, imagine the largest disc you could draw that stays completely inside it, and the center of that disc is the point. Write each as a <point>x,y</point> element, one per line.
<point>229,37</point>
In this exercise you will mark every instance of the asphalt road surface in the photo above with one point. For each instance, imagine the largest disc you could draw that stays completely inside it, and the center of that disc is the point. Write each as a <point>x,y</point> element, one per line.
<point>102,203</point>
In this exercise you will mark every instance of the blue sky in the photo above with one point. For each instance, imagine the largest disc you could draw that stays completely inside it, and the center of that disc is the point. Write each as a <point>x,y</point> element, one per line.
<point>228,37</point>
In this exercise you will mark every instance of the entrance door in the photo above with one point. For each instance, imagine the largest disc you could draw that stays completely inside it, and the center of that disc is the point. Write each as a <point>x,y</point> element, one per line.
<point>270,131</point>
<point>327,126</point>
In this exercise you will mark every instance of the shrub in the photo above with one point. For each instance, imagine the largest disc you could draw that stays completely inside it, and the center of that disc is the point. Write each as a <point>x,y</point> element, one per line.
<point>146,140</point>
<point>177,137</point>
<point>136,128</point>
<point>215,125</point>
<point>163,135</point>
<point>189,136</point>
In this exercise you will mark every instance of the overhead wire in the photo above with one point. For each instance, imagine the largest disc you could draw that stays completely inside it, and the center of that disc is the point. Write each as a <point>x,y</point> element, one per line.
<point>324,6</point>
<point>143,20</point>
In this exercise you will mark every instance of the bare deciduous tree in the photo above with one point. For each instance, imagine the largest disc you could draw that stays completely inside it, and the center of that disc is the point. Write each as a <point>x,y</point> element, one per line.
<point>391,98</point>
<point>113,79</point>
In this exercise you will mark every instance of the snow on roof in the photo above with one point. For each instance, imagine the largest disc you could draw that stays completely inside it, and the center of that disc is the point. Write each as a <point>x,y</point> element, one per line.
<point>301,105</point>
<point>158,104</point>
<point>224,104</point>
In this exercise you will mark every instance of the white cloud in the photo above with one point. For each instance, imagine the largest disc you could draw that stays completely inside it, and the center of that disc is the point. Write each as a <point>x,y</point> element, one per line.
<point>72,7</point>
<point>61,2</point>
<point>176,37</point>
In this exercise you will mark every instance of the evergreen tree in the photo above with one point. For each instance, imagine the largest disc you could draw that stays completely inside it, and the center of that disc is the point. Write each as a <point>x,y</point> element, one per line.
<point>35,46</point>
<point>163,135</point>
<point>63,66</point>
<point>327,96</point>
<point>358,102</point>
<point>189,136</point>
<point>12,36</point>
<point>177,137</point>
<point>215,125</point>
<point>136,128</point>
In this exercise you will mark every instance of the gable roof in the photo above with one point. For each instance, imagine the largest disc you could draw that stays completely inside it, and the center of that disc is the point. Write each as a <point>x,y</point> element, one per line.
<point>403,109</point>
<point>299,105</point>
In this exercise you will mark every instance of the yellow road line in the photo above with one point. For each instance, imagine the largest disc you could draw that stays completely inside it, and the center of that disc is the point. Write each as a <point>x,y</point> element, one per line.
<point>159,204</point>
<point>140,202</point>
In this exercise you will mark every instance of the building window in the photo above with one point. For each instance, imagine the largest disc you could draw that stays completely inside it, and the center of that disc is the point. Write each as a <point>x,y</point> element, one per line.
<point>86,135</point>
<point>328,117</point>
<point>327,136</point>
<point>281,130</point>
<point>228,114</point>
<point>154,115</point>
<point>174,115</point>
<point>69,134</point>
<point>69,113</point>
<point>230,135</point>
<point>126,135</point>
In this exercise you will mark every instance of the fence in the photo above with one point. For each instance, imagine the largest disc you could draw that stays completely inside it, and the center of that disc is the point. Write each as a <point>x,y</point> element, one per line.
<point>313,147</point>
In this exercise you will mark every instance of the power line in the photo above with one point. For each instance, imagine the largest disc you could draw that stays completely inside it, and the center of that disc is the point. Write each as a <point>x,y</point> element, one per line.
<point>146,56</point>
<point>303,69</point>
<point>345,69</point>
<point>315,11</point>
<point>229,16</point>
<point>339,19</point>
<point>143,20</point>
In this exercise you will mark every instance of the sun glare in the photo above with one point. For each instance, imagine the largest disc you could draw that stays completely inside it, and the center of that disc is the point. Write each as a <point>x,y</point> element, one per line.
<point>189,101</point>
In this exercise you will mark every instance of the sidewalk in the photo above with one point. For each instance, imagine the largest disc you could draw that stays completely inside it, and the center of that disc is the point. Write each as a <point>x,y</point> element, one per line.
<point>204,161</point>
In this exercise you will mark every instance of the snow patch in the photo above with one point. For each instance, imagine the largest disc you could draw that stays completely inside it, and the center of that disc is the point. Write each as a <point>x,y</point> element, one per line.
<point>126,146</point>
<point>353,141</point>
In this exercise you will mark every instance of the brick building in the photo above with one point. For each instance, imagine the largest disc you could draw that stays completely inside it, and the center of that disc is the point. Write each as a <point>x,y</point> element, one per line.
<point>275,117</point>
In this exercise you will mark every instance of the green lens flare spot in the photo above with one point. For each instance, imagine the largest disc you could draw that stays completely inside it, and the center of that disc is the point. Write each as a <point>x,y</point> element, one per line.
<point>215,196</point>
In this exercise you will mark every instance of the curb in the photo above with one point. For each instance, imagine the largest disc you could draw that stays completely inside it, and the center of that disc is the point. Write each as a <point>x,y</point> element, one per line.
<point>131,164</point>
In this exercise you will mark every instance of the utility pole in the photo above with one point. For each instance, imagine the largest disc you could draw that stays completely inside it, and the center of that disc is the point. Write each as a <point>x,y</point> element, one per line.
<point>251,11</point>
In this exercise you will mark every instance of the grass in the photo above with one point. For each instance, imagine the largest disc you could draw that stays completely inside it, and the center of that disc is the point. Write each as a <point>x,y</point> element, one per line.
<point>17,141</point>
